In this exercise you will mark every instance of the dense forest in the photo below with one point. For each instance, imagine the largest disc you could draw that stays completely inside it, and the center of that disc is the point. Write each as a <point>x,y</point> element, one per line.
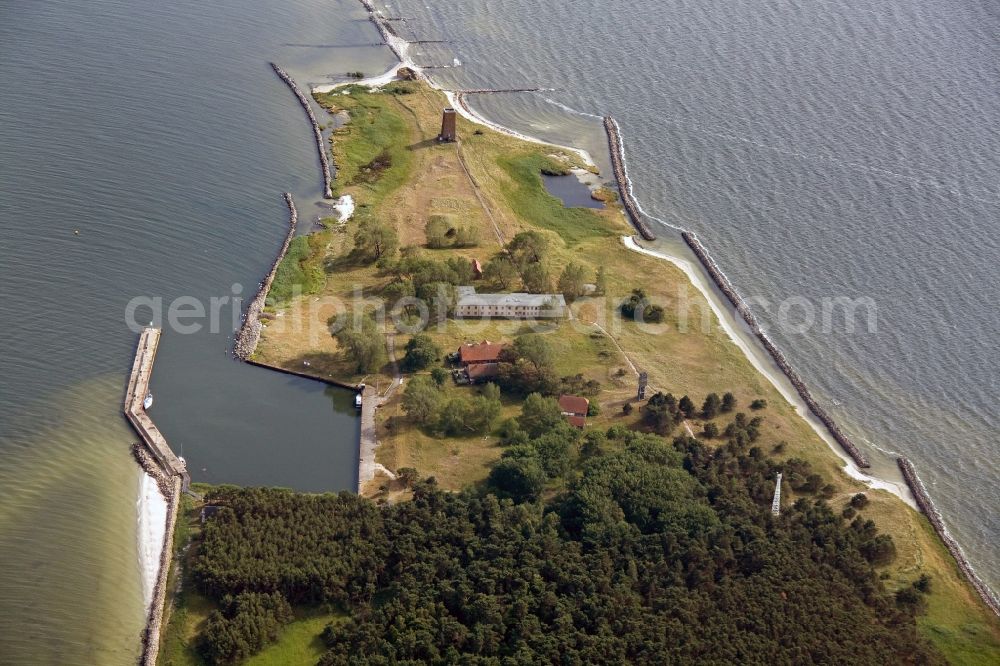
<point>646,551</point>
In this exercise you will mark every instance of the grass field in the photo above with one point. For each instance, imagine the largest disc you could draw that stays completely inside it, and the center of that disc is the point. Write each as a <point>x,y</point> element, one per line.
<point>299,644</point>
<point>298,270</point>
<point>492,182</point>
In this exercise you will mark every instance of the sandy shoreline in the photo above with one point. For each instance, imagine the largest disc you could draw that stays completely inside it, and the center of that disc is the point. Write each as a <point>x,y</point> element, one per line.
<point>152,528</point>
<point>748,346</point>
<point>455,99</point>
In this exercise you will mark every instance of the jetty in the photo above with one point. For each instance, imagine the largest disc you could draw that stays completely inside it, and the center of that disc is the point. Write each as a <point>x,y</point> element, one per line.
<point>381,24</point>
<point>621,176</point>
<point>937,522</point>
<point>249,334</point>
<point>138,388</point>
<point>324,158</point>
<point>170,472</point>
<point>487,91</point>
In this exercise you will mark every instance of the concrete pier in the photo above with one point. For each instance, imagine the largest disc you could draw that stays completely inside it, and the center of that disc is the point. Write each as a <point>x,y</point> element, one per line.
<point>160,462</point>
<point>138,388</point>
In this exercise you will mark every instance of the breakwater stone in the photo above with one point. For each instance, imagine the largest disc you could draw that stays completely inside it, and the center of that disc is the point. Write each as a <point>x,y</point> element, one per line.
<point>324,158</point>
<point>249,334</point>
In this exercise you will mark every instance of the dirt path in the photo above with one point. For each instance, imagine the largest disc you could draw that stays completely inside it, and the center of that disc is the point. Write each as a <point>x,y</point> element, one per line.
<point>624,354</point>
<point>479,195</point>
<point>370,402</point>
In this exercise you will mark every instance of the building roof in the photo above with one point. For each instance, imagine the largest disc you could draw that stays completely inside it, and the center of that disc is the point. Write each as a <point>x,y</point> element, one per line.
<point>482,371</point>
<point>577,421</point>
<point>574,404</point>
<point>484,352</point>
<point>468,296</point>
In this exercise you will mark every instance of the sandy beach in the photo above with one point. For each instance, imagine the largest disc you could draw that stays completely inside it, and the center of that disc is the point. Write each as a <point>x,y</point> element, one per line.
<point>152,527</point>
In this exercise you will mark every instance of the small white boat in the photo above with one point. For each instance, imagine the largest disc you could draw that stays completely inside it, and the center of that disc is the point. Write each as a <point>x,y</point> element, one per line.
<point>357,400</point>
<point>148,401</point>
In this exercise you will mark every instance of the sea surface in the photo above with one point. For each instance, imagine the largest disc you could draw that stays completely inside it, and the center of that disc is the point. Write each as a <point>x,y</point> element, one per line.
<point>819,149</point>
<point>159,133</point>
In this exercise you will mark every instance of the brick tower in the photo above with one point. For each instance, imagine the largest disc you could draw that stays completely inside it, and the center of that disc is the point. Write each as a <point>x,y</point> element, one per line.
<point>447,125</point>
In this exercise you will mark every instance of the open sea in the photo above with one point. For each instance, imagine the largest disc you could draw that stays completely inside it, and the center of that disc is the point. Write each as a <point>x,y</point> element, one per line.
<point>820,150</point>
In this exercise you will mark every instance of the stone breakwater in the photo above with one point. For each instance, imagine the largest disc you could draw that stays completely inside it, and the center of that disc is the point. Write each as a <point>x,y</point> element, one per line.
<point>621,175</point>
<point>389,35</point>
<point>324,158</point>
<point>927,506</point>
<point>722,282</point>
<point>487,91</point>
<point>154,622</point>
<point>151,467</point>
<point>249,333</point>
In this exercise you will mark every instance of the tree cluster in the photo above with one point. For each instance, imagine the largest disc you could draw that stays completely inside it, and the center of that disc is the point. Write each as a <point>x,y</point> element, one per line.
<point>638,308</point>
<point>528,366</point>
<point>460,415</point>
<point>374,241</point>
<point>442,233</point>
<point>578,385</point>
<point>364,344</point>
<point>652,553</point>
<point>421,351</point>
<point>522,257</point>
<point>432,281</point>
<point>662,413</point>
<point>245,624</point>
<point>714,405</point>
<point>573,281</point>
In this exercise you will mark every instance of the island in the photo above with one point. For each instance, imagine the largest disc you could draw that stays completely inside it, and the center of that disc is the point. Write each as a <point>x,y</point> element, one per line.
<point>567,457</point>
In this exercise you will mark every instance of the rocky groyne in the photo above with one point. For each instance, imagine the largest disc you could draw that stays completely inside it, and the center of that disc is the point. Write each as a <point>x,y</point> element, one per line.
<point>927,506</point>
<point>151,467</point>
<point>389,35</point>
<point>154,622</point>
<point>249,333</point>
<point>722,282</point>
<point>324,157</point>
<point>624,184</point>
<point>487,91</point>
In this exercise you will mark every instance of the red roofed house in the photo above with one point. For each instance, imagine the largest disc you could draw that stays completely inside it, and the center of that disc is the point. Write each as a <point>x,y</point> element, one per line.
<point>574,408</point>
<point>481,361</point>
<point>477,269</point>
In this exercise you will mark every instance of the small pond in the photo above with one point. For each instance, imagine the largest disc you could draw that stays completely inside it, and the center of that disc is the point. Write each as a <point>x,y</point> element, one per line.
<point>571,191</point>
